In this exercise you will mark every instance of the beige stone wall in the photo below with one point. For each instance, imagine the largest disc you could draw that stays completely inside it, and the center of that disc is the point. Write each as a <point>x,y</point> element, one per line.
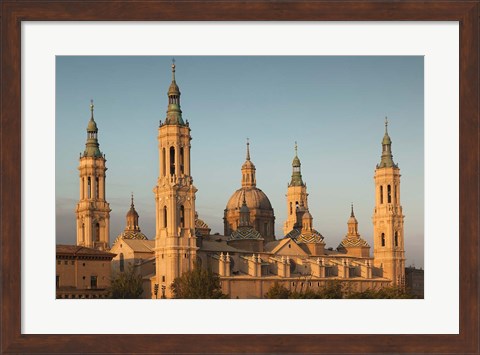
<point>387,222</point>
<point>77,274</point>
<point>258,287</point>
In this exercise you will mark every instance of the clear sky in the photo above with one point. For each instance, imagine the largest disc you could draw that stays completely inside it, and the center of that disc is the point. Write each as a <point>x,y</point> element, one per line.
<point>334,107</point>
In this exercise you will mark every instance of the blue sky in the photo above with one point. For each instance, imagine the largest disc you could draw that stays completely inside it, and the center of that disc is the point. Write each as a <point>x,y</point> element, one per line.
<point>334,107</point>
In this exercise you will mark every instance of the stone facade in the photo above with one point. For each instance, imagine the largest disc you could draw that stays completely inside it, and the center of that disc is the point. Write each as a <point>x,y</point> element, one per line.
<point>82,272</point>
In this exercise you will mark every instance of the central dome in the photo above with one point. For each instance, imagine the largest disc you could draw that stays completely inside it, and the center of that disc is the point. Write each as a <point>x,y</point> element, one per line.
<point>254,197</point>
<point>261,216</point>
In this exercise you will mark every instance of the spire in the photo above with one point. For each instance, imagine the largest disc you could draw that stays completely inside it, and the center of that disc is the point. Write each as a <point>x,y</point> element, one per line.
<point>174,113</point>
<point>91,146</point>
<point>352,224</point>
<point>296,173</point>
<point>132,217</point>
<point>248,170</point>
<point>387,157</point>
<point>92,106</point>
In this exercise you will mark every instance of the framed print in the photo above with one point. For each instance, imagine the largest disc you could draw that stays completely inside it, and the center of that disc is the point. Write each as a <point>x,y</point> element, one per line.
<point>41,40</point>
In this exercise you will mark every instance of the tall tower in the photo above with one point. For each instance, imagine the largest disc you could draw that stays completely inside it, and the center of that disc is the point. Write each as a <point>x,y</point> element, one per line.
<point>175,241</point>
<point>93,211</point>
<point>389,249</point>
<point>296,194</point>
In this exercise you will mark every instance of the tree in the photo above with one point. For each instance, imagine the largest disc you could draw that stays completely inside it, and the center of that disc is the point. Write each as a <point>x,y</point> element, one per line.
<point>278,291</point>
<point>127,284</point>
<point>197,283</point>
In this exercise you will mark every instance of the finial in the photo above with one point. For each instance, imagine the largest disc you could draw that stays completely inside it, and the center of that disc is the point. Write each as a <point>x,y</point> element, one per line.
<point>386,124</point>
<point>352,214</point>
<point>131,203</point>
<point>296,147</point>
<point>91,107</point>
<point>173,69</point>
<point>248,149</point>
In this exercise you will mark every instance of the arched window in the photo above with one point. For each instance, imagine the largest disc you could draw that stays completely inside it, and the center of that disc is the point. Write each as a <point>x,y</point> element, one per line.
<point>172,161</point>
<point>89,190</point>
<point>291,208</point>
<point>122,263</point>
<point>97,232</point>
<point>389,194</point>
<point>383,239</point>
<point>164,162</point>
<point>395,193</point>
<point>396,238</point>
<point>381,194</point>
<point>97,191</point>
<point>181,160</point>
<point>182,216</point>
<point>165,216</point>
<point>83,232</point>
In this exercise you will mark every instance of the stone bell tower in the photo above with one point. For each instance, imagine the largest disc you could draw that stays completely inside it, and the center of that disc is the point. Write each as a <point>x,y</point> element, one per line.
<point>296,194</point>
<point>175,241</point>
<point>389,249</point>
<point>93,211</point>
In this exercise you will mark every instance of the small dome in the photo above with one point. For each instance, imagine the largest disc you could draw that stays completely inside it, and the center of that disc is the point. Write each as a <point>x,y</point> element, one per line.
<point>173,89</point>
<point>132,212</point>
<point>386,139</point>
<point>296,161</point>
<point>255,199</point>
<point>248,165</point>
<point>92,126</point>
<point>352,219</point>
<point>307,215</point>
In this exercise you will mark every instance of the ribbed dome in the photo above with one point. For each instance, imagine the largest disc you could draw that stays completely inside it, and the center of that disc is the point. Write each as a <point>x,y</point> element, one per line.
<point>132,212</point>
<point>352,219</point>
<point>254,197</point>
<point>248,164</point>
<point>173,89</point>
<point>92,126</point>
<point>386,139</point>
<point>296,161</point>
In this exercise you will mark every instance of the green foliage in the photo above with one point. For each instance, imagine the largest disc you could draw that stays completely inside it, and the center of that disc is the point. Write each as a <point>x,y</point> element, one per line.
<point>385,292</point>
<point>336,289</point>
<point>197,283</point>
<point>127,284</point>
<point>277,291</point>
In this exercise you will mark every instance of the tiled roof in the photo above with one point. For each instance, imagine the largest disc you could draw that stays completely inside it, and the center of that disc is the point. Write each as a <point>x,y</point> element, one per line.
<point>140,245</point>
<point>76,250</point>
<point>219,247</point>
<point>305,237</point>
<point>245,233</point>
<point>131,235</point>
<point>353,242</point>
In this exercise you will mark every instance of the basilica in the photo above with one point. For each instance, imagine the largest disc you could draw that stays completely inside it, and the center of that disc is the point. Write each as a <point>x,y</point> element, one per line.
<point>248,257</point>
